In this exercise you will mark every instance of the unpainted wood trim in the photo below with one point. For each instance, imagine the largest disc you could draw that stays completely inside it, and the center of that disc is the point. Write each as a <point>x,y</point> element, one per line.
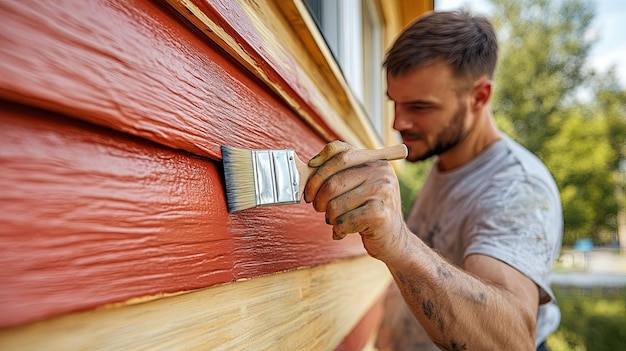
<point>306,309</point>
<point>411,9</point>
<point>306,29</point>
<point>272,70</point>
<point>364,335</point>
<point>396,15</point>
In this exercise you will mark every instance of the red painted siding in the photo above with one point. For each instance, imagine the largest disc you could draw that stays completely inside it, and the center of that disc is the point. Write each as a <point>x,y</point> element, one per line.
<point>110,184</point>
<point>134,67</point>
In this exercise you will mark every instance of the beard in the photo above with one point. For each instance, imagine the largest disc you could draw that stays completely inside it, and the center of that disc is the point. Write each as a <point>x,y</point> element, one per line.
<point>452,135</point>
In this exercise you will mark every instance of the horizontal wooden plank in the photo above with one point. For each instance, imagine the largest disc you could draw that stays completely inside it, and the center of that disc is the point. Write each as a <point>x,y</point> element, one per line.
<point>234,30</point>
<point>363,335</point>
<point>260,37</point>
<point>307,309</point>
<point>411,9</point>
<point>134,67</point>
<point>325,65</point>
<point>90,217</point>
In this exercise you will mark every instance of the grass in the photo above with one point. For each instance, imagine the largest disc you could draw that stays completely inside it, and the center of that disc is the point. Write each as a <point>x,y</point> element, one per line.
<point>593,319</point>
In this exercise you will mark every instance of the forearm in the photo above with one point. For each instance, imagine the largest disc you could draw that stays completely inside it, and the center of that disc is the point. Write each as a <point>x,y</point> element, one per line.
<point>458,310</point>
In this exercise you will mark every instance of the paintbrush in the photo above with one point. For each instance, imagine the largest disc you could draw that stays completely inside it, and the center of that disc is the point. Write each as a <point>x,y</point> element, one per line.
<point>257,178</point>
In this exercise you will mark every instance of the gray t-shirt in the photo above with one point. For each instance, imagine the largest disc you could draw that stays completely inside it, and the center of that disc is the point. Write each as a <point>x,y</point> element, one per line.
<point>503,204</point>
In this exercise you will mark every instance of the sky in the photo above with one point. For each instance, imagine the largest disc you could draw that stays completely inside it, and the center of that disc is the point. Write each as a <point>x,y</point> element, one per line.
<point>609,25</point>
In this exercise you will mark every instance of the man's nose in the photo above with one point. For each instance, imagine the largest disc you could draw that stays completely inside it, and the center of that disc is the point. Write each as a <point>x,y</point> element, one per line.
<point>401,123</point>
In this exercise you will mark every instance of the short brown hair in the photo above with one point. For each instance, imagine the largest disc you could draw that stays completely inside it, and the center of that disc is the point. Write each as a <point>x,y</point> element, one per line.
<point>467,43</point>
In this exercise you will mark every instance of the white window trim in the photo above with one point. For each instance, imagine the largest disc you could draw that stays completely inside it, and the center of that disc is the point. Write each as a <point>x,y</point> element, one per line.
<point>343,30</point>
<point>373,61</point>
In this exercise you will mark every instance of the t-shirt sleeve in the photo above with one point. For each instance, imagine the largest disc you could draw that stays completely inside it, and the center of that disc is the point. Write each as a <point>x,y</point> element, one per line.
<point>518,222</point>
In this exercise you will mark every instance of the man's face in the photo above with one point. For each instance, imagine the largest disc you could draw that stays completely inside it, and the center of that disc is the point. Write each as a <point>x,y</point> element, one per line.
<point>429,114</point>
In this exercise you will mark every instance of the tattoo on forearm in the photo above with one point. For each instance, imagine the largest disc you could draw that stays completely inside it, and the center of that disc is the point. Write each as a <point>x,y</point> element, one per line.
<point>427,306</point>
<point>481,298</point>
<point>432,314</point>
<point>444,272</point>
<point>401,277</point>
<point>472,293</point>
<point>455,346</point>
<point>409,282</point>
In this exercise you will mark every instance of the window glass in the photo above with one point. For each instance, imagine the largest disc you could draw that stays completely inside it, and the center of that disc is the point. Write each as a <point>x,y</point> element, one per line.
<point>352,31</point>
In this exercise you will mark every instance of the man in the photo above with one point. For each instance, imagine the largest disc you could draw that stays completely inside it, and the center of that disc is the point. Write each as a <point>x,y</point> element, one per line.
<point>473,258</point>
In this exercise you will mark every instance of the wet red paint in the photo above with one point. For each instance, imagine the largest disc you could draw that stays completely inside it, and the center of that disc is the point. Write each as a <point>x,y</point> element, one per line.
<point>91,217</point>
<point>288,74</point>
<point>108,187</point>
<point>132,67</point>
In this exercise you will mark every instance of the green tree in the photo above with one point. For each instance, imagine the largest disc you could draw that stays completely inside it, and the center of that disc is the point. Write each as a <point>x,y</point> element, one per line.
<point>572,118</point>
<point>411,178</point>
<point>543,49</point>
<point>610,103</point>
<point>579,156</point>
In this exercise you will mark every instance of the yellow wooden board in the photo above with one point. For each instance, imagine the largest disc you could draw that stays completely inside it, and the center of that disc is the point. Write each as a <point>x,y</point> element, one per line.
<point>305,309</point>
<point>214,31</point>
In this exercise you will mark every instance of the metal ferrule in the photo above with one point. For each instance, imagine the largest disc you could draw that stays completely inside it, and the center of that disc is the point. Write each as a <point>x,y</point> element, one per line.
<point>276,177</point>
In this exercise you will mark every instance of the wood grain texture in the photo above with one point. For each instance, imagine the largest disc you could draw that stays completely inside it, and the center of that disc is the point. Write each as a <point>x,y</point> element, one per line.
<point>260,37</point>
<point>363,335</point>
<point>308,309</point>
<point>245,38</point>
<point>91,217</point>
<point>113,225</point>
<point>325,65</point>
<point>133,67</point>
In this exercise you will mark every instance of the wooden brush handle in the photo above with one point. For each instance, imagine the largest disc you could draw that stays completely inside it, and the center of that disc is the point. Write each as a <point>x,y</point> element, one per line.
<point>396,152</point>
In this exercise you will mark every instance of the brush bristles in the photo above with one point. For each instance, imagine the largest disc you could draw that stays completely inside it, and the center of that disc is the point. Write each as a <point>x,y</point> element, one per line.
<point>239,178</point>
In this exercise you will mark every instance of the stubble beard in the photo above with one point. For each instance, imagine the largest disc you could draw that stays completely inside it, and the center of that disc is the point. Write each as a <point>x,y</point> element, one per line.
<point>447,139</point>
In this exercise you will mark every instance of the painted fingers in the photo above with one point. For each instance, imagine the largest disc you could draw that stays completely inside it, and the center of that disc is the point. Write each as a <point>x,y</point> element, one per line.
<point>358,200</point>
<point>358,195</point>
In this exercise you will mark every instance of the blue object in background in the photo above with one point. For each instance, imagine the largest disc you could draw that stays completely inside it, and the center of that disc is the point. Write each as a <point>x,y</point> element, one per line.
<point>583,245</point>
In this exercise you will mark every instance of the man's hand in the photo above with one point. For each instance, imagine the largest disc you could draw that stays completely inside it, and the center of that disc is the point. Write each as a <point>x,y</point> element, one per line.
<point>358,197</point>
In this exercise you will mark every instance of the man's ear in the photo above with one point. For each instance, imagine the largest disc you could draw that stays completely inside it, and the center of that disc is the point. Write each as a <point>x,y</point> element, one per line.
<point>481,94</point>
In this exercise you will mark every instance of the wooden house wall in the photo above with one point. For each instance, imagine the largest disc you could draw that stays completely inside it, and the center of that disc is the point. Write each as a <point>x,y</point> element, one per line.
<point>113,225</point>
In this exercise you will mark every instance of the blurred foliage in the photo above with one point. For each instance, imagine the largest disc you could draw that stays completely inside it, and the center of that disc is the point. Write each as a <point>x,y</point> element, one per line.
<point>546,98</point>
<point>573,118</point>
<point>411,177</point>
<point>543,49</point>
<point>578,156</point>
<point>592,319</point>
